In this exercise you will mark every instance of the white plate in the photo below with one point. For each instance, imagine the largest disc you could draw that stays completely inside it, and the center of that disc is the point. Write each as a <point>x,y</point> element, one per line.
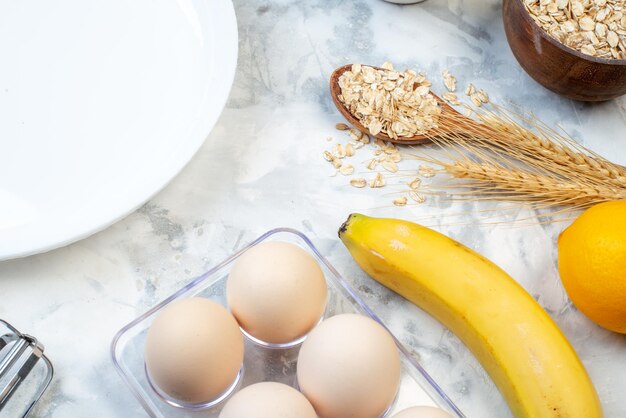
<point>102,103</point>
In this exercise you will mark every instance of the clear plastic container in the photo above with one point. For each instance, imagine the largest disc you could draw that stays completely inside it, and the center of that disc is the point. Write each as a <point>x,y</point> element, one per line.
<point>263,363</point>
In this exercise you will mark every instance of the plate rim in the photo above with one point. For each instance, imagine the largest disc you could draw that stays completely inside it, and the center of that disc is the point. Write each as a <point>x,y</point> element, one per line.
<point>228,62</point>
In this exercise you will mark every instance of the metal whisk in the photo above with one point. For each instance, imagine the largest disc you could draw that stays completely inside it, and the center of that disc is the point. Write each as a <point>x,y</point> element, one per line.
<point>25,372</point>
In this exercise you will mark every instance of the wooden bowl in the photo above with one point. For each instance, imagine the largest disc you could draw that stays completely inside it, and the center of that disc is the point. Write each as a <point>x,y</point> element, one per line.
<point>563,70</point>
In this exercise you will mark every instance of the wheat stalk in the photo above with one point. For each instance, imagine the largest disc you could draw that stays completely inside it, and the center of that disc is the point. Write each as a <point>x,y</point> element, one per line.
<point>524,185</point>
<point>552,147</point>
<point>502,130</point>
<point>499,158</point>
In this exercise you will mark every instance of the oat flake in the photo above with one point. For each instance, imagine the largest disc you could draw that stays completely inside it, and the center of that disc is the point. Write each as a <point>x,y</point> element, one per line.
<point>346,169</point>
<point>390,166</point>
<point>415,183</point>
<point>401,201</point>
<point>417,197</point>
<point>358,182</point>
<point>378,181</point>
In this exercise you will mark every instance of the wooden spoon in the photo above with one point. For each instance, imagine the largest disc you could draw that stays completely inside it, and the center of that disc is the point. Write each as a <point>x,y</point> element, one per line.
<point>446,110</point>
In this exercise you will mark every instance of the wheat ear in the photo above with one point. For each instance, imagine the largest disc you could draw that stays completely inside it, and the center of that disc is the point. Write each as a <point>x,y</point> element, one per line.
<point>524,185</point>
<point>499,158</point>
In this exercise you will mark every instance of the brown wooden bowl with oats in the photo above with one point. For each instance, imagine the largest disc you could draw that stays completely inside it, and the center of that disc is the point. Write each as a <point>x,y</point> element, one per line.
<point>557,67</point>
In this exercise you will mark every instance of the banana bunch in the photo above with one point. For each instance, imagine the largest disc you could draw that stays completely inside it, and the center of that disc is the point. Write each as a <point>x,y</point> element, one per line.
<point>515,340</point>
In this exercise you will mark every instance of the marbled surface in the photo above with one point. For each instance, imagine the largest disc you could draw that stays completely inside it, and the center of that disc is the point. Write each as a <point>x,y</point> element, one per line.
<point>261,167</point>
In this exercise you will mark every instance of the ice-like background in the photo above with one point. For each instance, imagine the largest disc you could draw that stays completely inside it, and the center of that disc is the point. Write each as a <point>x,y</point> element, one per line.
<point>262,167</point>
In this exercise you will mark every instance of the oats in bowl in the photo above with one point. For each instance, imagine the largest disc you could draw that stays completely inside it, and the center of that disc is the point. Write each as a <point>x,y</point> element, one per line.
<point>395,103</point>
<point>593,27</point>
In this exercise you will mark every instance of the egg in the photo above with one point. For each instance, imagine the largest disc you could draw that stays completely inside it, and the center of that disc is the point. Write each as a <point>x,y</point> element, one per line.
<point>268,400</point>
<point>277,292</point>
<point>194,350</point>
<point>422,412</point>
<point>349,366</point>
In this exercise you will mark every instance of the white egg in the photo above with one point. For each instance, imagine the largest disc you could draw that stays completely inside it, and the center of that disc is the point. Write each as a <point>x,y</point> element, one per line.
<point>268,400</point>
<point>349,366</point>
<point>194,350</point>
<point>277,292</point>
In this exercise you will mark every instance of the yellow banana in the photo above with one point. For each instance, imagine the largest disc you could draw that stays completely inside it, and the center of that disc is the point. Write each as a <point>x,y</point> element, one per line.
<point>519,345</point>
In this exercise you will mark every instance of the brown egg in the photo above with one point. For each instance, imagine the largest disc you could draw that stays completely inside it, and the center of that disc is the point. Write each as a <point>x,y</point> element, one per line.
<point>422,412</point>
<point>277,292</point>
<point>268,400</point>
<point>194,350</point>
<point>349,366</point>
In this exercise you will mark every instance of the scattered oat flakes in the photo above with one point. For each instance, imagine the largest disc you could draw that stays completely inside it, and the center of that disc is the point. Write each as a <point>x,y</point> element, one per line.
<point>396,158</point>
<point>337,163</point>
<point>346,169</point>
<point>378,181</point>
<point>355,134</point>
<point>328,156</point>
<point>349,150</point>
<point>476,100</point>
<point>390,148</point>
<point>426,171</point>
<point>339,151</point>
<point>417,197</point>
<point>451,98</point>
<point>390,166</point>
<point>342,127</point>
<point>387,66</point>
<point>401,201</point>
<point>358,182</point>
<point>470,89</point>
<point>372,164</point>
<point>415,183</point>
<point>388,101</point>
<point>449,81</point>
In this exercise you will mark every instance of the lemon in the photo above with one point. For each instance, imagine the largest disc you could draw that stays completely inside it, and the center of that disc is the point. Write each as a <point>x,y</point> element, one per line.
<point>592,264</point>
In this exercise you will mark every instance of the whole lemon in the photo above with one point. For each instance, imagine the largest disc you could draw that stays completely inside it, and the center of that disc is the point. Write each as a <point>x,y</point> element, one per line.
<point>592,264</point>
